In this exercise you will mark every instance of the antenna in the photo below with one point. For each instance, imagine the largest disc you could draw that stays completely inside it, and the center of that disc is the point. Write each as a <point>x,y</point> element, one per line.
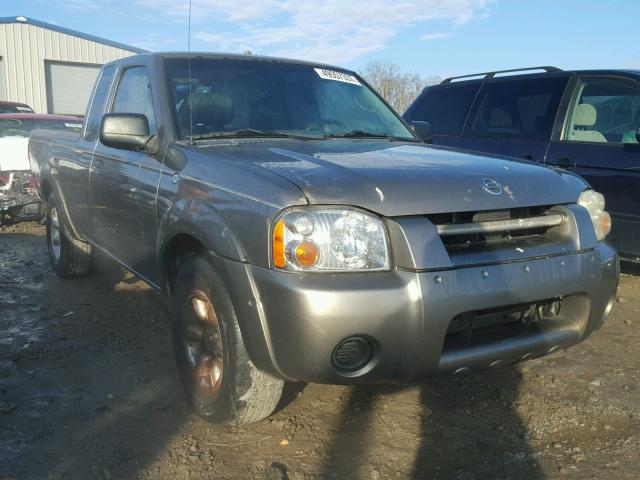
<point>190,82</point>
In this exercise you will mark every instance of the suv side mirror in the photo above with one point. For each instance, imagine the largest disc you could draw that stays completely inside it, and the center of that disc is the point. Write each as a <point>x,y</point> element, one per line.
<point>423,130</point>
<point>126,131</point>
<point>638,135</point>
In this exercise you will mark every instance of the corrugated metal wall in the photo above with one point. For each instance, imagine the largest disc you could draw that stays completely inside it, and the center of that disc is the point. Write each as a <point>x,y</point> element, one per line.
<point>24,49</point>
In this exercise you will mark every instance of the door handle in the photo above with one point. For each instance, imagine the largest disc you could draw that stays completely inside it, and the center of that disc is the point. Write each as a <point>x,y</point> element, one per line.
<point>98,164</point>
<point>527,157</point>
<point>564,162</point>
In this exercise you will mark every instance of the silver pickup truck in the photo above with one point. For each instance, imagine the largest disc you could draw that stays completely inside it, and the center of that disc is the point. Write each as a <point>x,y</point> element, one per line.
<point>299,230</point>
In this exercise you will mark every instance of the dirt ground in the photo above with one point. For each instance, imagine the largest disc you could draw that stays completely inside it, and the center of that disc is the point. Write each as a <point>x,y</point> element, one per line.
<point>89,389</point>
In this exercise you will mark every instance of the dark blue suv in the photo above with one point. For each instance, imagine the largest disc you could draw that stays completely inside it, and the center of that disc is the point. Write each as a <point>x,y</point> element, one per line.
<point>585,121</point>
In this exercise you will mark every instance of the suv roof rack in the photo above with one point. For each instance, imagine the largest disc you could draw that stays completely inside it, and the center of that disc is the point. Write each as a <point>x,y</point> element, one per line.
<point>546,68</point>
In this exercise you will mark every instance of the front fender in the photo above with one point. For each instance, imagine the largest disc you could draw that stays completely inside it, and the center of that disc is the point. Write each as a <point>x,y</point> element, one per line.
<point>202,222</point>
<point>206,225</point>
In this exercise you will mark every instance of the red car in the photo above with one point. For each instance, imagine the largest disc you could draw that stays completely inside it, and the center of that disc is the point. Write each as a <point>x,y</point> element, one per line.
<point>15,107</point>
<point>18,198</point>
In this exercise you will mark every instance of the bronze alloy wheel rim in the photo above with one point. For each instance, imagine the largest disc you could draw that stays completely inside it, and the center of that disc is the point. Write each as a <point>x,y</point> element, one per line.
<point>54,233</point>
<point>203,344</point>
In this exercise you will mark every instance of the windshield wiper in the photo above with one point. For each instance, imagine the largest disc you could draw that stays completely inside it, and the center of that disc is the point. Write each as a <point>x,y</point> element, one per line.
<point>252,132</point>
<point>365,134</point>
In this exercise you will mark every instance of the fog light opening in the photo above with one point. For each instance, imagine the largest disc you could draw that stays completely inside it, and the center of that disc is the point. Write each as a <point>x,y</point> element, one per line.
<point>352,354</point>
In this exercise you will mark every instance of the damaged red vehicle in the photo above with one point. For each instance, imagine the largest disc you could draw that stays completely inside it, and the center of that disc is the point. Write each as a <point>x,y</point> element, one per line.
<point>18,197</point>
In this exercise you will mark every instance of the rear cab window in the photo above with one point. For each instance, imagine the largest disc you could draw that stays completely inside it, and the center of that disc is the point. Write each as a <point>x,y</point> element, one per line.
<point>519,109</point>
<point>445,107</point>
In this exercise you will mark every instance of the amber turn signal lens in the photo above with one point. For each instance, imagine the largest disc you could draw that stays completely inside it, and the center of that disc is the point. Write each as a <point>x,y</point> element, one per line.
<point>605,223</point>
<point>279,259</point>
<point>306,254</point>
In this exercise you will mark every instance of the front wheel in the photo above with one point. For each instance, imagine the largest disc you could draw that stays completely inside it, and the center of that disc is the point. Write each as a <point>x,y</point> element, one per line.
<point>69,256</point>
<point>219,379</point>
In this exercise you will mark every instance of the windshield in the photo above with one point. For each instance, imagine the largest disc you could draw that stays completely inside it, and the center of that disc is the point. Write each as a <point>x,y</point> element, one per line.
<point>253,97</point>
<point>10,127</point>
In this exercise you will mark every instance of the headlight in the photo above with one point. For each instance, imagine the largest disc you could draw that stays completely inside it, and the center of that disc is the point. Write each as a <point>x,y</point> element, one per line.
<point>329,239</point>
<point>594,203</point>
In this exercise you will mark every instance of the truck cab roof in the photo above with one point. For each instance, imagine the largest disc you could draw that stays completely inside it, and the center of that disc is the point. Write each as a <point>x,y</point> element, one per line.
<point>219,56</point>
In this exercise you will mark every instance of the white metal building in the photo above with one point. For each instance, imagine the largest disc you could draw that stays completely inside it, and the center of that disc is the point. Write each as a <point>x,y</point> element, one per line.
<point>50,68</point>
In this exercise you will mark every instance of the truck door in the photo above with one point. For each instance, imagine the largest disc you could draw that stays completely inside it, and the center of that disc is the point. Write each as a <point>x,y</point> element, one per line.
<point>514,116</point>
<point>124,184</point>
<point>598,142</point>
<point>73,163</point>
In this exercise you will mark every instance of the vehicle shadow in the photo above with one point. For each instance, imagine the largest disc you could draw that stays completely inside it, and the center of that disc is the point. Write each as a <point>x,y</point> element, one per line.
<point>98,396</point>
<point>138,405</point>
<point>88,375</point>
<point>468,428</point>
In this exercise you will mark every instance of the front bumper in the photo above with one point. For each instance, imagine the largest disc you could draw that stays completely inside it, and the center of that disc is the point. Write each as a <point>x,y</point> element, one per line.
<point>406,315</point>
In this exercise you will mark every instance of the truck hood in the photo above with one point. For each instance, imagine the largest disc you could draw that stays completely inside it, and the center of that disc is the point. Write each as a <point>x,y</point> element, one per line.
<point>409,179</point>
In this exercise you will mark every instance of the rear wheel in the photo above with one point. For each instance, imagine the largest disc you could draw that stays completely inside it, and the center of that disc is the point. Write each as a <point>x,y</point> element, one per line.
<point>69,257</point>
<point>219,379</point>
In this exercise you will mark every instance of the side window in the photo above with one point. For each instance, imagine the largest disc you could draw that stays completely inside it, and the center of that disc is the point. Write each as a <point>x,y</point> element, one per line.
<point>604,111</point>
<point>96,106</point>
<point>522,109</point>
<point>134,95</point>
<point>445,108</point>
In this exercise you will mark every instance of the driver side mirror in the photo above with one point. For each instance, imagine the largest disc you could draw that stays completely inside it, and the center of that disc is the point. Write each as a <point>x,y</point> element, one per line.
<point>126,131</point>
<point>423,130</point>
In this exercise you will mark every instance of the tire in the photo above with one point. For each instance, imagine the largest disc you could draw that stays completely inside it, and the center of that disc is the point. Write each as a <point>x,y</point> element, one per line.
<point>218,377</point>
<point>69,256</point>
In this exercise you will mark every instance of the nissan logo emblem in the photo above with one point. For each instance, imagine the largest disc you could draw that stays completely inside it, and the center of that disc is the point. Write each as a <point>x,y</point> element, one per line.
<point>489,185</point>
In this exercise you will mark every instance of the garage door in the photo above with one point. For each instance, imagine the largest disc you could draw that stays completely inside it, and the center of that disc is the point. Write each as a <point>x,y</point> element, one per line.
<point>69,86</point>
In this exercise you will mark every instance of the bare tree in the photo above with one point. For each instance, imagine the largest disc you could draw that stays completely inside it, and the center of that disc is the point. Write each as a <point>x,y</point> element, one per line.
<point>396,87</point>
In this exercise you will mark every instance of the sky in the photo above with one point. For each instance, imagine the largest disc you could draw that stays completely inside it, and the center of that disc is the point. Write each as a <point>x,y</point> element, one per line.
<point>427,37</point>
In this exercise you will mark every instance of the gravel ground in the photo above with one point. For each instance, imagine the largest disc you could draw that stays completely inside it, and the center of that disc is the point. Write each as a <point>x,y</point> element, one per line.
<point>89,389</point>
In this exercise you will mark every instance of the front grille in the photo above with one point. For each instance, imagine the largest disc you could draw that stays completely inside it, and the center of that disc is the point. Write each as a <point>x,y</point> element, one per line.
<point>476,229</point>
<point>500,323</point>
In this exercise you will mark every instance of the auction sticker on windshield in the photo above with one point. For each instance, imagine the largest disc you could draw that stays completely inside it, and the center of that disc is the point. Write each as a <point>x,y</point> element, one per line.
<point>338,76</point>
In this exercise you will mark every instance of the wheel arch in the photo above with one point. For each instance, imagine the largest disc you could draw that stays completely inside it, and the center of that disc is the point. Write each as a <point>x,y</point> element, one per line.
<point>187,229</point>
<point>184,241</point>
<point>177,249</point>
<point>48,186</point>
<point>45,189</point>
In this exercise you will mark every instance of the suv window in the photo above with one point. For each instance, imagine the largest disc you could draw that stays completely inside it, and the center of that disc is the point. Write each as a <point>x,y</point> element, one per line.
<point>445,108</point>
<point>604,111</point>
<point>134,95</point>
<point>97,103</point>
<point>523,109</point>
